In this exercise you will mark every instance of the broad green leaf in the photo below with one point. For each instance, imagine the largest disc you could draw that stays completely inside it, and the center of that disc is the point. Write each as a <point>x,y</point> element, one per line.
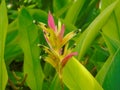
<point>74,10</point>
<point>77,77</point>
<point>112,80</point>
<point>108,76</point>
<point>3,31</point>
<point>110,69</point>
<point>112,28</point>
<point>103,71</point>
<point>28,41</point>
<point>91,32</point>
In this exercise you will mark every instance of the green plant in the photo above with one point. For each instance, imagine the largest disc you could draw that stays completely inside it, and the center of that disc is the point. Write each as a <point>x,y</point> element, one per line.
<point>89,62</point>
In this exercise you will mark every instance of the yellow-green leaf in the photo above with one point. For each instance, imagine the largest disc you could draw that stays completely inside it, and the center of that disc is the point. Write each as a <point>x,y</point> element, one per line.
<point>91,32</point>
<point>28,41</point>
<point>77,77</point>
<point>3,31</point>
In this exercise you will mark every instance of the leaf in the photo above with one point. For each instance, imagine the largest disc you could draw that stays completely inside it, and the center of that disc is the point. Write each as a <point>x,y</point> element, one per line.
<point>55,85</point>
<point>11,51</point>
<point>38,15</point>
<point>91,32</point>
<point>62,11</point>
<point>28,41</point>
<point>76,76</point>
<point>58,4</point>
<point>3,31</point>
<point>110,69</point>
<point>108,76</point>
<point>112,79</point>
<point>112,28</point>
<point>74,10</point>
<point>88,13</point>
<point>112,43</point>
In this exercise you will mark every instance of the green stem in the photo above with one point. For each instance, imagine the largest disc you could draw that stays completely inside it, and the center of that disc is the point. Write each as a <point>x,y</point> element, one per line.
<point>60,77</point>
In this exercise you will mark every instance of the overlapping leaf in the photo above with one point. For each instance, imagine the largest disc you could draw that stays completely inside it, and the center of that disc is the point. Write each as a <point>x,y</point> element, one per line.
<point>108,76</point>
<point>91,32</point>
<point>112,28</point>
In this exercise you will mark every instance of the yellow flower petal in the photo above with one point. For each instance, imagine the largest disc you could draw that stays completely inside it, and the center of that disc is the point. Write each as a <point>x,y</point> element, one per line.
<point>68,37</point>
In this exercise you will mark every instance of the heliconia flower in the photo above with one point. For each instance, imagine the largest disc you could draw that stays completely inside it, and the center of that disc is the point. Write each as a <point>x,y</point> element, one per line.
<point>58,51</point>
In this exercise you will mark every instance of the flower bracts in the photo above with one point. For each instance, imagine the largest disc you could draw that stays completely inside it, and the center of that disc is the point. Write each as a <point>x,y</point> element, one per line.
<point>58,51</point>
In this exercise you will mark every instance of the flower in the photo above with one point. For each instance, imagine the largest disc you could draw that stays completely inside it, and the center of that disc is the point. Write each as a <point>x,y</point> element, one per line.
<point>58,51</point>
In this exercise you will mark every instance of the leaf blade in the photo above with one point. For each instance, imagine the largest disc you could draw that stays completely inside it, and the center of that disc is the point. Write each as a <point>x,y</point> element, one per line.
<point>75,76</point>
<point>3,31</point>
<point>29,36</point>
<point>91,32</point>
<point>75,8</point>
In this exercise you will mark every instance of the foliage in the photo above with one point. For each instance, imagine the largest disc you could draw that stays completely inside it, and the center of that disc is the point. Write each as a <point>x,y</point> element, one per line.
<point>29,36</point>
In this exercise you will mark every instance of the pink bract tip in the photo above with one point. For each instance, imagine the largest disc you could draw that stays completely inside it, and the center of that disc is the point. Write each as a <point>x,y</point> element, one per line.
<point>51,22</point>
<point>65,60</point>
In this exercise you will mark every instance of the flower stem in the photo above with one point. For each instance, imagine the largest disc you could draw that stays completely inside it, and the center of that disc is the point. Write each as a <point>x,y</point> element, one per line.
<point>60,77</point>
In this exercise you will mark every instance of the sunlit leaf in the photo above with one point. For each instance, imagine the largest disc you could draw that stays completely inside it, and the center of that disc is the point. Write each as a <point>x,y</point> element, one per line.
<point>91,32</point>
<point>28,41</point>
<point>3,31</point>
<point>76,77</point>
<point>112,27</point>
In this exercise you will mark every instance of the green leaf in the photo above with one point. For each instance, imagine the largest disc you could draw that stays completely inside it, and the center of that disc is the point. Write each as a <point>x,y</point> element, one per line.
<point>88,13</point>
<point>77,77</point>
<point>28,41</point>
<point>3,31</point>
<point>38,15</point>
<point>62,11</point>
<point>55,85</point>
<point>91,32</point>
<point>112,79</point>
<point>108,76</point>
<point>12,51</point>
<point>74,10</point>
<point>58,4</point>
<point>112,28</point>
<point>110,69</point>
<point>112,43</point>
